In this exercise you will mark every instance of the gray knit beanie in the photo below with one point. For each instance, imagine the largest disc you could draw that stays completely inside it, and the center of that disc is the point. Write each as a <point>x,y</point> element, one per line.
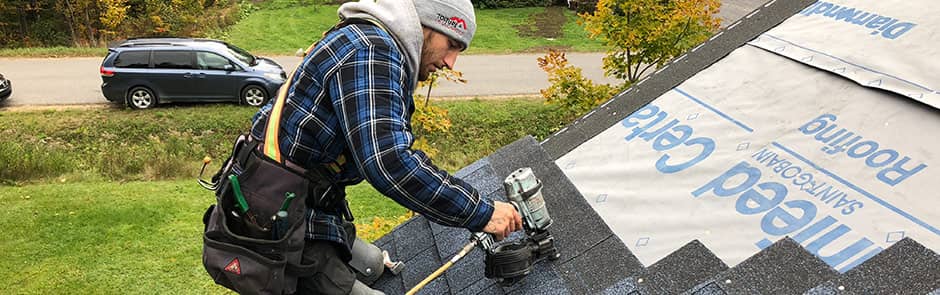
<point>454,18</point>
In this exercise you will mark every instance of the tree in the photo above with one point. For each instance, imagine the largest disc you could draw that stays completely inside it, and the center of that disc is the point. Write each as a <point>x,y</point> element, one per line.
<point>113,14</point>
<point>427,118</point>
<point>570,90</point>
<point>641,34</point>
<point>28,23</point>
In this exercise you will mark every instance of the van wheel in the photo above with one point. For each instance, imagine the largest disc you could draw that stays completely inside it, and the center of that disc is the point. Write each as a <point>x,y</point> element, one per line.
<point>141,98</point>
<point>254,95</point>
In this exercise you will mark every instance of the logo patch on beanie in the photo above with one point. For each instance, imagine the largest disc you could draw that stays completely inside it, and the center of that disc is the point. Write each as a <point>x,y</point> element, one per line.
<point>454,23</point>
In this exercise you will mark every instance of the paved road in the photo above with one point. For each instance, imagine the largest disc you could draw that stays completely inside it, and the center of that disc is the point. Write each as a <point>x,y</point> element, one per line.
<point>77,81</point>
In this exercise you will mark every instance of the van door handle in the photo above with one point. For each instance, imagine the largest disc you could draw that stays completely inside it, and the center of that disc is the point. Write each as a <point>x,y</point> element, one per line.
<point>188,75</point>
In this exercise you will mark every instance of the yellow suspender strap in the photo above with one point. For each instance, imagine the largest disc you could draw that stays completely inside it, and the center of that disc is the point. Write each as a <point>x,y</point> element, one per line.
<point>271,145</point>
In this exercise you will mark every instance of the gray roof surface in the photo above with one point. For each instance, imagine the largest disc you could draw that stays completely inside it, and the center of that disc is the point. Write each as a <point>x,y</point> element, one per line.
<point>595,261</point>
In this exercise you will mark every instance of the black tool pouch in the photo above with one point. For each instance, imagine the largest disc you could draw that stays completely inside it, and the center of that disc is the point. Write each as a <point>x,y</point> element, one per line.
<point>241,251</point>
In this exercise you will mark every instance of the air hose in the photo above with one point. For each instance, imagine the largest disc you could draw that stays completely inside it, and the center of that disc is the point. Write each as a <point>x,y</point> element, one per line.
<point>463,252</point>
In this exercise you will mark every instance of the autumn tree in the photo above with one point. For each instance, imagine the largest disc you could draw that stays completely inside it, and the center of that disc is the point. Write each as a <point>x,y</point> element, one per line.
<point>640,35</point>
<point>643,34</point>
<point>28,23</point>
<point>570,90</point>
<point>427,118</point>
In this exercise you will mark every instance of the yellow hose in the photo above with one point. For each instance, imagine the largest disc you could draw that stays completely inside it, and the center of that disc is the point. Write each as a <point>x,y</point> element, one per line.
<point>466,249</point>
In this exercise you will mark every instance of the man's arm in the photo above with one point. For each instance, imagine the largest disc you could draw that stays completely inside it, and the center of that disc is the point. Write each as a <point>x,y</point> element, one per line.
<point>368,98</point>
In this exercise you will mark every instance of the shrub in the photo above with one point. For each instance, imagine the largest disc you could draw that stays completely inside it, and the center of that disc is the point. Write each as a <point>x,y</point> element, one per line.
<point>428,119</point>
<point>639,35</point>
<point>585,6</point>
<point>89,23</point>
<point>642,34</point>
<point>569,89</point>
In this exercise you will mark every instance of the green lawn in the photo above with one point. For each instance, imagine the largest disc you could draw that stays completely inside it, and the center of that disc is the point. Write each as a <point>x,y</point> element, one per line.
<point>282,29</point>
<point>53,52</point>
<point>111,237</point>
<point>497,33</point>
<point>167,143</point>
<point>87,224</point>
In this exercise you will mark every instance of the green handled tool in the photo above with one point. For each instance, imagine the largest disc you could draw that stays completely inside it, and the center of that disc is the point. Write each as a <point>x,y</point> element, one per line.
<point>242,203</point>
<point>279,220</point>
<point>289,196</point>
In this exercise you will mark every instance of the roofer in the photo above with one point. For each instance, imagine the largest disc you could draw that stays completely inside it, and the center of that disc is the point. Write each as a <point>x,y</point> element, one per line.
<point>349,107</point>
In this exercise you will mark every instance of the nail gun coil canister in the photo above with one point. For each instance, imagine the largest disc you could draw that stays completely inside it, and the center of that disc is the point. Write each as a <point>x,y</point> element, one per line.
<point>525,191</point>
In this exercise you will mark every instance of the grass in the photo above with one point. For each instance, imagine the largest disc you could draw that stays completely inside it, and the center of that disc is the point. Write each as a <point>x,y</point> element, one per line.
<point>497,32</point>
<point>169,143</point>
<point>279,29</point>
<point>482,126</point>
<point>100,238</point>
<point>115,144</point>
<point>43,52</point>
<point>72,227</point>
<point>283,31</point>
<point>129,238</point>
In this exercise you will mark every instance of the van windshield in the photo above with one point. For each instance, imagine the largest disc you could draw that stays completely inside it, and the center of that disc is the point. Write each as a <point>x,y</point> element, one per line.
<point>242,55</point>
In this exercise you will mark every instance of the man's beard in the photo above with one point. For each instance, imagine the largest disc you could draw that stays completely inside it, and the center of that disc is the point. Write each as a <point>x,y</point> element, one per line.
<point>423,72</point>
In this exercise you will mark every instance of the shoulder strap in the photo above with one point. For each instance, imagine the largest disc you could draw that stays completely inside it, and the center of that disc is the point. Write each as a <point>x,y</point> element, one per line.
<point>272,147</point>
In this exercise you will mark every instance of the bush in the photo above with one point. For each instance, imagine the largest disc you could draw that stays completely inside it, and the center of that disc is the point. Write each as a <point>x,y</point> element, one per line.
<point>489,4</point>
<point>644,35</point>
<point>570,90</point>
<point>90,23</point>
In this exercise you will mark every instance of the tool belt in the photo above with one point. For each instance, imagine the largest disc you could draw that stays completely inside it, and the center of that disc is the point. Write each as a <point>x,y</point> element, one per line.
<point>254,234</point>
<point>250,250</point>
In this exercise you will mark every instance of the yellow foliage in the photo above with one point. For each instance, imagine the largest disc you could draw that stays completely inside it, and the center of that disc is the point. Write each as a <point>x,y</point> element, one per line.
<point>113,13</point>
<point>380,226</point>
<point>569,89</point>
<point>429,119</point>
<point>641,34</point>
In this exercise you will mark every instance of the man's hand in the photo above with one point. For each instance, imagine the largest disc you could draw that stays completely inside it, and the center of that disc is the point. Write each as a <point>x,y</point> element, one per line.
<point>504,221</point>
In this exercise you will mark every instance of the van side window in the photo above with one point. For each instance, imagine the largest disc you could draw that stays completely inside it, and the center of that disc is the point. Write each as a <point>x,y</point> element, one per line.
<point>133,59</point>
<point>173,59</point>
<point>212,61</point>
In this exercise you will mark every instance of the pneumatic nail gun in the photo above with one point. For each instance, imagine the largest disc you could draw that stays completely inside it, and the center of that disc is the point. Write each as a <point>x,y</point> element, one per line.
<point>507,263</point>
<point>510,262</point>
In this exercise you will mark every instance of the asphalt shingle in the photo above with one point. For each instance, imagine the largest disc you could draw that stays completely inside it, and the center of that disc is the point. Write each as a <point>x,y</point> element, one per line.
<point>783,268</point>
<point>543,280</point>
<point>905,267</point>
<point>604,265</point>
<point>419,267</point>
<point>413,236</point>
<point>681,270</point>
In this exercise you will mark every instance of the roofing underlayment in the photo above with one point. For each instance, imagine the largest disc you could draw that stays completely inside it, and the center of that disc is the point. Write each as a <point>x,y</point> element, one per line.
<point>788,154</point>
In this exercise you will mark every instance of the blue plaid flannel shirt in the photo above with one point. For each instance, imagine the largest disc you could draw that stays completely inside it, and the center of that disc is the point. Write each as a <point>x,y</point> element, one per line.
<point>351,96</point>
